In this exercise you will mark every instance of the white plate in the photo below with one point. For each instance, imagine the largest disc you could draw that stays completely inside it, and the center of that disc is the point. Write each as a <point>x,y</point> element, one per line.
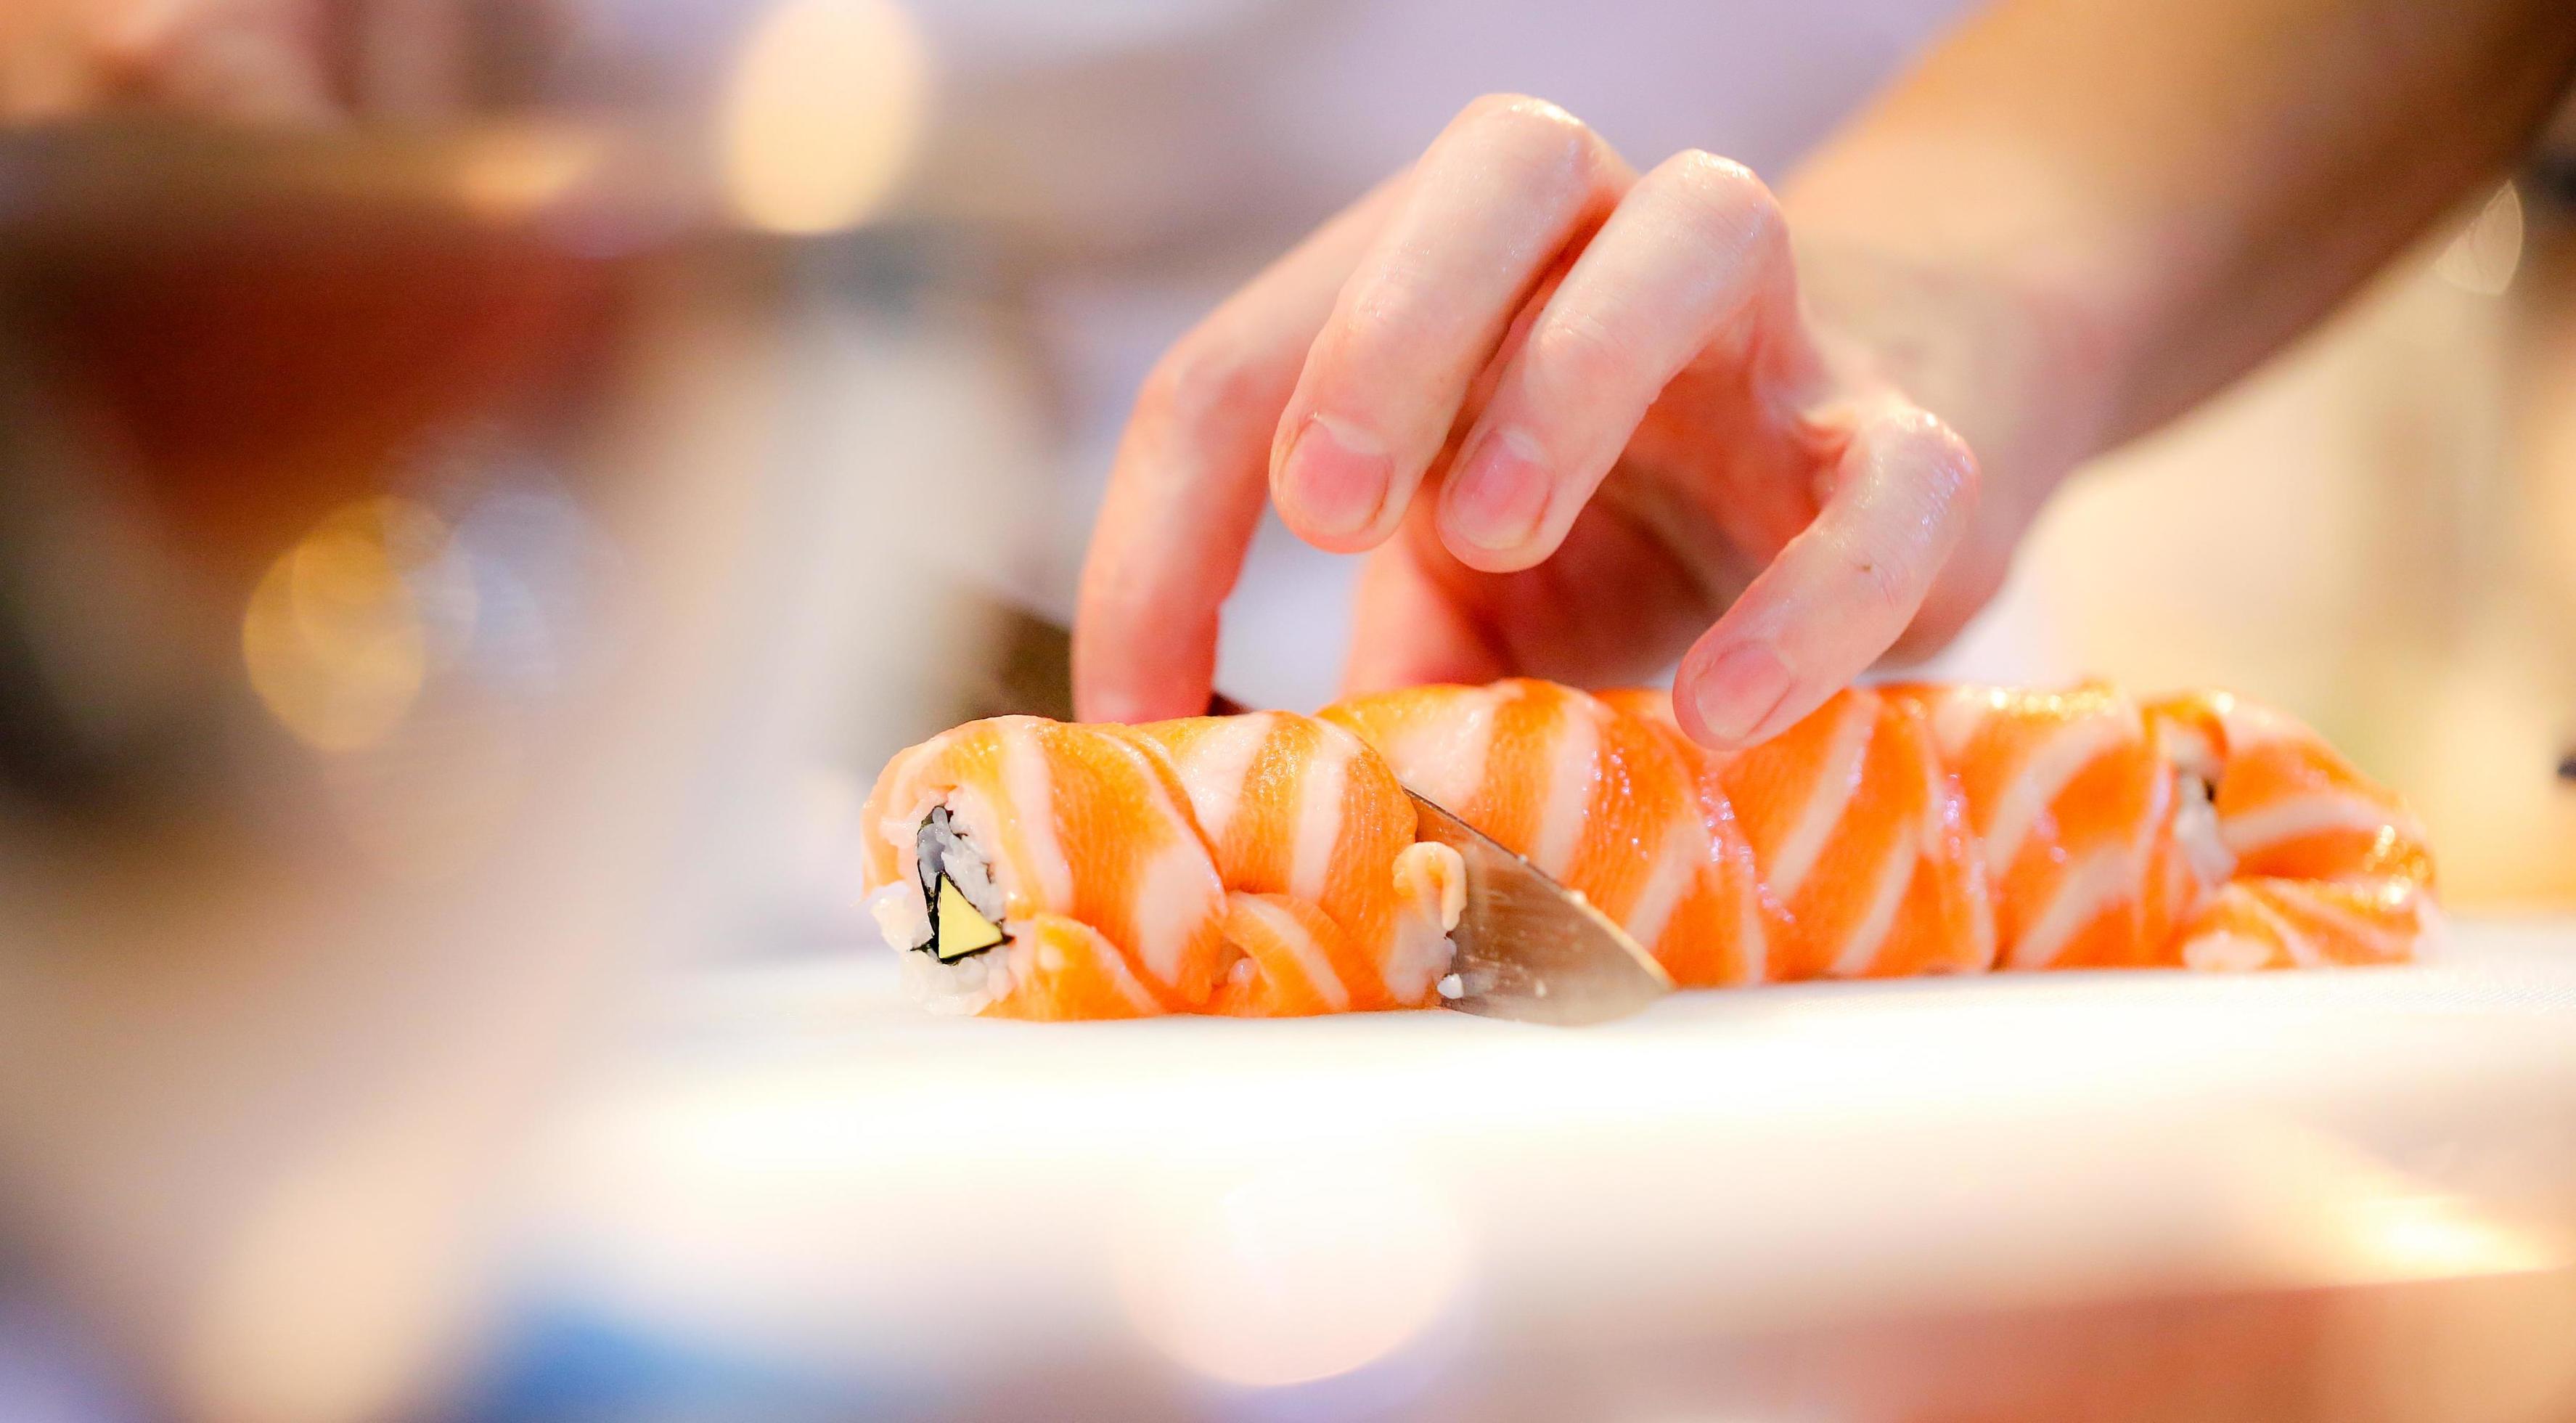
<point>804,1165</point>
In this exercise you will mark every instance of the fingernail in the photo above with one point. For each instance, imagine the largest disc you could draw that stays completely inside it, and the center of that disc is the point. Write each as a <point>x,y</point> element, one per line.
<point>1334,477</point>
<point>1739,689</point>
<point>1500,495</point>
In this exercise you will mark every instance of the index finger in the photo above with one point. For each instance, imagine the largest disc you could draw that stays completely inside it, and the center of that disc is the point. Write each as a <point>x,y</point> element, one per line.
<point>1496,203</point>
<point>1192,477</point>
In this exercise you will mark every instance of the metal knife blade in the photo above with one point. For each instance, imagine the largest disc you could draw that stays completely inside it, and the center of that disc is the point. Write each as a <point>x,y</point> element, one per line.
<point>1530,949</point>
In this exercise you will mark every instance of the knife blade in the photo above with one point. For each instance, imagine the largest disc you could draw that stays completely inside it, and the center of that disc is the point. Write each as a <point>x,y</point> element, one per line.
<point>1529,949</point>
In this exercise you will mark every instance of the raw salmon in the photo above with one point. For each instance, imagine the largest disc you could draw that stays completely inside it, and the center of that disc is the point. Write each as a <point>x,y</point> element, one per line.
<point>1266,864</point>
<point>1608,803</point>
<point>1262,865</point>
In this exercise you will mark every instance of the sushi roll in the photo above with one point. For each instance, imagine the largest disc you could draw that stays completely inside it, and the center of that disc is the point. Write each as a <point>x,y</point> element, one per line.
<point>1333,902</point>
<point>2324,865</point>
<point>2094,843</point>
<point>1610,804</point>
<point>1035,869</point>
<point>1262,866</point>
<point>1835,849</point>
<point>1907,829</point>
<point>1268,865</point>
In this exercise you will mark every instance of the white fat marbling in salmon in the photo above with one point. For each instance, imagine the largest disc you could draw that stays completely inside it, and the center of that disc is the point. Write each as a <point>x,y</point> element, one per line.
<point>1268,864</point>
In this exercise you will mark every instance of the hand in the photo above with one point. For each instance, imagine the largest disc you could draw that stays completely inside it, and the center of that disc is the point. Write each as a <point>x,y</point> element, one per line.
<point>235,58</point>
<point>1574,414</point>
<point>258,60</point>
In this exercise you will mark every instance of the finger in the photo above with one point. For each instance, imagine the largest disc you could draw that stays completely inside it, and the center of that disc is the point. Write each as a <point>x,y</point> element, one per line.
<point>410,58</point>
<point>1696,255</point>
<point>1972,578</point>
<point>1489,211</point>
<point>1409,630</point>
<point>1608,609</point>
<point>240,59</point>
<point>1839,593</point>
<point>1188,485</point>
<point>1970,581</point>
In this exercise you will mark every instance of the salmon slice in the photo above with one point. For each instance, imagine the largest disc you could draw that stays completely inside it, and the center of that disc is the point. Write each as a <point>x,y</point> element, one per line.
<point>1861,840</point>
<point>1605,802</point>
<point>2071,802</point>
<point>1075,823</point>
<point>1063,970</point>
<point>2289,805</point>
<point>1437,739</point>
<point>1586,794</point>
<point>1267,865</point>
<point>2270,922</point>
<point>1297,809</point>
<point>1262,865</point>
<point>1720,929</point>
<point>1292,953</point>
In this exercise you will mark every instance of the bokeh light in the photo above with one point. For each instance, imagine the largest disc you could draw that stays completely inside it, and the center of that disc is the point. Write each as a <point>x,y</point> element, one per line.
<point>336,640</point>
<point>2431,1235</point>
<point>823,107</point>
<point>1293,1273</point>
<point>2484,257</point>
<point>512,172</point>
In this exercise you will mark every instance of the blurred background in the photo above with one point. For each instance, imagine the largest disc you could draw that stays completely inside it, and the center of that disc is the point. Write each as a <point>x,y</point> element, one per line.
<point>483,485</point>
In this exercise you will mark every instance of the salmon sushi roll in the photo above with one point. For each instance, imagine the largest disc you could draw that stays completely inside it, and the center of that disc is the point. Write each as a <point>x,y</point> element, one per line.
<point>1609,804</point>
<point>2095,843</point>
<point>1334,904</point>
<point>1269,865</point>
<point>1261,866</point>
<point>1861,838</point>
<point>1043,870</point>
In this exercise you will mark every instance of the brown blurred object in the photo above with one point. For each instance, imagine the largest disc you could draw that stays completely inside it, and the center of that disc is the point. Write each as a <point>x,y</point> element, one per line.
<point>275,60</point>
<point>407,558</point>
<point>256,385</point>
<point>211,339</point>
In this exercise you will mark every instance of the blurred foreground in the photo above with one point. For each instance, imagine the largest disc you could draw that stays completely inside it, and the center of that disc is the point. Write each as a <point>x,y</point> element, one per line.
<point>457,575</point>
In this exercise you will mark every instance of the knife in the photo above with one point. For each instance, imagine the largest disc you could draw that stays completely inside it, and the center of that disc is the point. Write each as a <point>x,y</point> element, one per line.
<point>1529,949</point>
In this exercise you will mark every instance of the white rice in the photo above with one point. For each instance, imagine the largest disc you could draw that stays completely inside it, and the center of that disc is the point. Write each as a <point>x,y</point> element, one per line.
<point>1423,950</point>
<point>961,989</point>
<point>902,912</point>
<point>2196,830</point>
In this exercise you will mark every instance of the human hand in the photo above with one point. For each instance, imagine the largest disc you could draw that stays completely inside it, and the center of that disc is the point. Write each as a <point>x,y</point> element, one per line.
<point>256,60</point>
<point>1575,414</point>
<point>235,58</point>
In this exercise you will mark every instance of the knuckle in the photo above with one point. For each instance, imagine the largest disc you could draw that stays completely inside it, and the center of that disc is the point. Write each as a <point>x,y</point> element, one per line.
<point>1912,514</point>
<point>1198,385</point>
<point>1391,313</point>
<point>1520,124</point>
<point>1576,352</point>
<point>1945,467</point>
<point>1956,465</point>
<point>1722,198</point>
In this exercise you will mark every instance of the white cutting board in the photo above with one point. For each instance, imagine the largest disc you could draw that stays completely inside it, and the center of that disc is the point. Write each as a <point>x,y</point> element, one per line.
<point>804,1164</point>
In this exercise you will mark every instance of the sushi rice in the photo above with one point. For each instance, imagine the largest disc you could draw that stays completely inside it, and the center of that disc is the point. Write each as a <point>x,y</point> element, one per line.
<point>902,911</point>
